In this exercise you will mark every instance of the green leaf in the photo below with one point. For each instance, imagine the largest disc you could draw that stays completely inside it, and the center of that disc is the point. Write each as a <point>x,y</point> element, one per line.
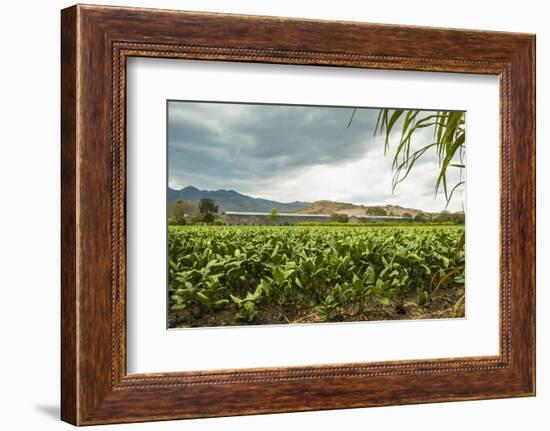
<point>236,299</point>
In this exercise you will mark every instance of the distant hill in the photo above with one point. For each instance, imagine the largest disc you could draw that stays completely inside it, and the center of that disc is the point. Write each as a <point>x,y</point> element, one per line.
<point>230,200</point>
<point>330,207</point>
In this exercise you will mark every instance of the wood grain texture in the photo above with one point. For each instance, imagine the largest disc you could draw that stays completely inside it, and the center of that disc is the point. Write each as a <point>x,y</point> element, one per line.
<point>69,397</point>
<point>96,41</point>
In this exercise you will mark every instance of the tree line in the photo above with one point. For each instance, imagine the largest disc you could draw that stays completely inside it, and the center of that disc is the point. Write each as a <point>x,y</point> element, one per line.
<point>182,212</point>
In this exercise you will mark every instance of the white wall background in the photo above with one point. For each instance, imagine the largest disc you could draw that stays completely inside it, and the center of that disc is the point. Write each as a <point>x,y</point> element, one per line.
<point>29,216</point>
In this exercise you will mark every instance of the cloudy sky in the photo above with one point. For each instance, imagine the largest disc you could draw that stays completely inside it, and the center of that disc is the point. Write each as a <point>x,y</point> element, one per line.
<point>289,153</point>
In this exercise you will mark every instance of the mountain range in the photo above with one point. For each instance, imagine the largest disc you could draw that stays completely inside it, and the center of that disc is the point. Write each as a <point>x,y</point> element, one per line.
<point>230,200</point>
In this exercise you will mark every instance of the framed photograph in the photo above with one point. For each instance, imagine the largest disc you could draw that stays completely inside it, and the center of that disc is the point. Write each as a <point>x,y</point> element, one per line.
<point>264,214</point>
<point>322,234</point>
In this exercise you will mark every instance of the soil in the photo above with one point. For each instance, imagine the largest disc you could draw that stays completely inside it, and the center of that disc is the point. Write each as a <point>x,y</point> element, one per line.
<point>442,305</point>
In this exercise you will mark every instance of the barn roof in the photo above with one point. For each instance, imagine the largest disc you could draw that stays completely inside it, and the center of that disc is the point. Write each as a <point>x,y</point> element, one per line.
<point>378,217</point>
<point>266,214</point>
<point>253,213</point>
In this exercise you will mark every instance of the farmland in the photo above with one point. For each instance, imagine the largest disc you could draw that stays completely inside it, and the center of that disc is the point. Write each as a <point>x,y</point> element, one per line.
<point>243,275</point>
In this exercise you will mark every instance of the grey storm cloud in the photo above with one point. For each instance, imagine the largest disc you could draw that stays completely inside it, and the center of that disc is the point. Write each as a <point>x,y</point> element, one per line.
<point>289,152</point>
<point>256,143</point>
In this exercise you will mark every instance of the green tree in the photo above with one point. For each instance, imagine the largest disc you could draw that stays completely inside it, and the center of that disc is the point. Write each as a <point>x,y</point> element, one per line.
<point>421,217</point>
<point>273,214</point>
<point>443,217</point>
<point>208,210</point>
<point>458,218</point>
<point>376,211</point>
<point>182,211</point>
<point>339,218</point>
<point>406,215</point>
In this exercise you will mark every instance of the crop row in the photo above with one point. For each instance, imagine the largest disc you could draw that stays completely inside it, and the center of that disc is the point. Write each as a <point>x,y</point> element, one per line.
<point>336,273</point>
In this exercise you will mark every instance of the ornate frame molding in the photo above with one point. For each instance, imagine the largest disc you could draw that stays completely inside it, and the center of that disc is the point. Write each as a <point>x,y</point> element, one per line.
<point>96,41</point>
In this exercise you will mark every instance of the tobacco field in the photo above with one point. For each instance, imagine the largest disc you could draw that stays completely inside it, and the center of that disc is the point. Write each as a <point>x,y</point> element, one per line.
<point>250,275</point>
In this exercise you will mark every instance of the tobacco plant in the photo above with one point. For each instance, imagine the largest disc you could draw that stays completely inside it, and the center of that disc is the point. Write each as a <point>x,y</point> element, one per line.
<point>327,273</point>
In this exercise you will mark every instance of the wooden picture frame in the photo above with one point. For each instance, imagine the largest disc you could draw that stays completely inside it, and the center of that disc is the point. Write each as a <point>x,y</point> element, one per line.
<point>95,43</point>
